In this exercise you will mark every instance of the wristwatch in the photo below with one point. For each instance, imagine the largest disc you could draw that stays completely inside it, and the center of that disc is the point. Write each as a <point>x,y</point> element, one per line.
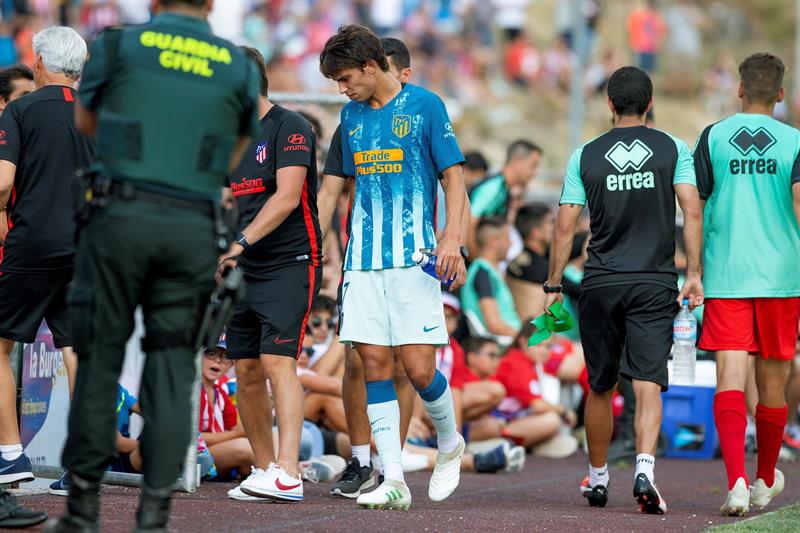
<point>464,251</point>
<point>241,240</point>
<point>551,289</point>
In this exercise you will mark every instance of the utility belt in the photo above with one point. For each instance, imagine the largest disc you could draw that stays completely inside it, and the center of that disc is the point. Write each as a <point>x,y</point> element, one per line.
<point>97,191</point>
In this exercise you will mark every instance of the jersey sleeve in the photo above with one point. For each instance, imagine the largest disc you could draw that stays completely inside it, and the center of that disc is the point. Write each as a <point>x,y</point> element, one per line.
<point>333,163</point>
<point>684,167</point>
<point>95,71</point>
<point>348,164</point>
<point>573,191</point>
<point>249,124</point>
<point>484,197</point>
<point>459,365</point>
<point>229,415</point>
<point>293,142</point>
<point>10,142</point>
<point>796,169</point>
<point>704,171</point>
<point>483,284</point>
<point>444,148</point>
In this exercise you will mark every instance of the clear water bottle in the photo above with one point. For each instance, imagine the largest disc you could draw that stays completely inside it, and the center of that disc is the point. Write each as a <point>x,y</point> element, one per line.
<point>684,351</point>
<point>428,264</point>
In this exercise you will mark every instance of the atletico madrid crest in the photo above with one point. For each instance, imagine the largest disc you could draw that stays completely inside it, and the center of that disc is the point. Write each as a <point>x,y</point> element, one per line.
<point>261,152</point>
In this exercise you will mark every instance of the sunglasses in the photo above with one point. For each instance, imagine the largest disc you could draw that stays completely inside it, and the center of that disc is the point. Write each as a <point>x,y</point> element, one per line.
<point>317,322</point>
<point>210,355</point>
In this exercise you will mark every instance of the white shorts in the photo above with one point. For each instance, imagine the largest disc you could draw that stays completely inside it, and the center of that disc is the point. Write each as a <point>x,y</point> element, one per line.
<point>392,307</point>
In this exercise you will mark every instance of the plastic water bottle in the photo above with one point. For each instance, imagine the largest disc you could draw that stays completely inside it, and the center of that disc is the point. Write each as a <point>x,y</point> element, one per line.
<point>684,352</point>
<point>428,264</point>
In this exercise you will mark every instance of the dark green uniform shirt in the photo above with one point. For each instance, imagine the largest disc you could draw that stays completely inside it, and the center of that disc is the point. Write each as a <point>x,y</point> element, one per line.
<point>171,100</point>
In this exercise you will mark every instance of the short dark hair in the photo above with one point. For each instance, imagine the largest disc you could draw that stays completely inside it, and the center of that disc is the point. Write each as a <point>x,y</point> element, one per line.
<point>474,160</point>
<point>762,77</point>
<point>256,57</point>
<point>397,51</point>
<point>10,74</point>
<point>488,223</point>
<point>525,332</point>
<point>630,91</point>
<point>475,344</point>
<point>531,216</point>
<point>521,148</point>
<point>352,47</point>
<point>324,303</point>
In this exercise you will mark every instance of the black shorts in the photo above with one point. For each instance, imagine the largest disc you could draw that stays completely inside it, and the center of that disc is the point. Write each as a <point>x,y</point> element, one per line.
<point>27,299</point>
<point>626,330</point>
<point>272,317</point>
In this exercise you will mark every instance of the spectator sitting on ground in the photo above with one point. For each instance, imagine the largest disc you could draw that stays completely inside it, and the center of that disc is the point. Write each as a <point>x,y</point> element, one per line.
<point>130,457</point>
<point>220,427</point>
<point>531,419</point>
<point>327,353</point>
<point>323,403</point>
<point>486,298</point>
<point>528,271</point>
<point>495,196</point>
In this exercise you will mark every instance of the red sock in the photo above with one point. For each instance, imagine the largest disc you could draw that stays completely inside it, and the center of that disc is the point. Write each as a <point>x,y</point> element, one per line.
<point>770,423</point>
<point>730,416</point>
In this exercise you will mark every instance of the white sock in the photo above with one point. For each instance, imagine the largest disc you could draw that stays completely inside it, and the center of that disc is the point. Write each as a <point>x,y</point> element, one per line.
<point>10,452</point>
<point>438,401</point>
<point>384,418</point>
<point>598,476</point>
<point>645,464</point>
<point>361,453</point>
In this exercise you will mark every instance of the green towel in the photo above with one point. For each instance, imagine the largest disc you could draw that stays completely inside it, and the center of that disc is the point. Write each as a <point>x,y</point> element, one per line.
<point>556,321</point>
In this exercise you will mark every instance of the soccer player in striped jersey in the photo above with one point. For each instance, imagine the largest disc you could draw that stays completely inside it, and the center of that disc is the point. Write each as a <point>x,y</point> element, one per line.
<point>396,140</point>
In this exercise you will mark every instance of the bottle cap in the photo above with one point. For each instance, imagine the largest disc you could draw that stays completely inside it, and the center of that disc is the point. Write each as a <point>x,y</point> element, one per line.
<point>417,257</point>
<point>685,301</point>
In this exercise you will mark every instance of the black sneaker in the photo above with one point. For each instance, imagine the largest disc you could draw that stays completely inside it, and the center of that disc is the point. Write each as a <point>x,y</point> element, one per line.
<point>12,515</point>
<point>597,495</point>
<point>648,497</point>
<point>355,478</point>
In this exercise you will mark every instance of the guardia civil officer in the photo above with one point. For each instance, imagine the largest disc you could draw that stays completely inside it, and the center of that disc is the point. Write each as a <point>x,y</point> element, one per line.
<point>172,106</point>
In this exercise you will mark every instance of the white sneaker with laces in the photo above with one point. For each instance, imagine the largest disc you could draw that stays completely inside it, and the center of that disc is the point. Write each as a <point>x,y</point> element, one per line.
<point>274,484</point>
<point>761,494</point>
<point>446,473</point>
<point>391,494</point>
<point>236,492</point>
<point>515,459</point>
<point>737,502</point>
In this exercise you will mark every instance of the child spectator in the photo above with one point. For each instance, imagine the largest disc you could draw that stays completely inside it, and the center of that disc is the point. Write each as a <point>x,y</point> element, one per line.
<point>219,425</point>
<point>323,403</point>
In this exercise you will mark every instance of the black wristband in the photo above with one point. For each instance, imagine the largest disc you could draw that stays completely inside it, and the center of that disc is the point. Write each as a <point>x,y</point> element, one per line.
<point>548,289</point>
<point>240,238</point>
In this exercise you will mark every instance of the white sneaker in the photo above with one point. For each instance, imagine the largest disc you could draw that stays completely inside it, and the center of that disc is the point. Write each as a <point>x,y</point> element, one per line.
<point>236,494</point>
<point>274,484</point>
<point>391,494</point>
<point>761,495</point>
<point>323,468</point>
<point>446,472</point>
<point>515,459</point>
<point>737,502</point>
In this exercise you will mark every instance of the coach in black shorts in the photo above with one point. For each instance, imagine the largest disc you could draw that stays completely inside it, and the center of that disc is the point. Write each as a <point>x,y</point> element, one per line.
<point>40,151</point>
<point>629,176</point>
<point>278,248</point>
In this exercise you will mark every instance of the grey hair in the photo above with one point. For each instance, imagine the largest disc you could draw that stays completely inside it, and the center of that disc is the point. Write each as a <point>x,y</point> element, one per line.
<point>62,50</point>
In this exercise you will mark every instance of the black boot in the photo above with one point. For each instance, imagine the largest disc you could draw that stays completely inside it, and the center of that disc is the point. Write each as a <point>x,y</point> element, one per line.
<point>12,515</point>
<point>153,513</point>
<point>83,508</point>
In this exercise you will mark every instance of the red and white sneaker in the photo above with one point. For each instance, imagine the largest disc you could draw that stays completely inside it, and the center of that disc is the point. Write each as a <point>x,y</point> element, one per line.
<point>274,483</point>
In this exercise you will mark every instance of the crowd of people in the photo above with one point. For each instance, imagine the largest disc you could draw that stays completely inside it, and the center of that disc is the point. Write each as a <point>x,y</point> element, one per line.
<point>345,361</point>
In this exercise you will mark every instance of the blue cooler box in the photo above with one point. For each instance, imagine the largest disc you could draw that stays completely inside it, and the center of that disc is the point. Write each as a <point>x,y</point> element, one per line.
<point>688,422</point>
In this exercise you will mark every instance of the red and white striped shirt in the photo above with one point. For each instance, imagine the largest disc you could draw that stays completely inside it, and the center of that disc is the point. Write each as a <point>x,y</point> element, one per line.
<point>219,415</point>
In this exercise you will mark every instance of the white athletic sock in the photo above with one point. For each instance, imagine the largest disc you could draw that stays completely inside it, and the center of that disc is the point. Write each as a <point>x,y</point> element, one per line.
<point>361,453</point>
<point>598,476</point>
<point>10,452</point>
<point>438,401</point>
<point>384,418</point>
<point>645,464</point>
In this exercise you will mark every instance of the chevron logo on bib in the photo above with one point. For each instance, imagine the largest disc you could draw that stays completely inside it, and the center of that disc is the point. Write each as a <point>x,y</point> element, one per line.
<point>624,156</point>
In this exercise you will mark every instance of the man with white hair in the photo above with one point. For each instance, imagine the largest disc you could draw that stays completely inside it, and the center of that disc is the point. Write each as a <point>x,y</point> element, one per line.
<point>40,151</point>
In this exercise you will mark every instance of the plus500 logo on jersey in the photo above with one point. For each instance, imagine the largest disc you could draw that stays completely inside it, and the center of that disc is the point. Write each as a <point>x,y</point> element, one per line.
<point>379,161</point>
<point>627,157</point>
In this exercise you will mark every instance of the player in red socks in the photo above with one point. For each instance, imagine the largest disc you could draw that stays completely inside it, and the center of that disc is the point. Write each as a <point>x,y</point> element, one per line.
<point>748,172</point>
